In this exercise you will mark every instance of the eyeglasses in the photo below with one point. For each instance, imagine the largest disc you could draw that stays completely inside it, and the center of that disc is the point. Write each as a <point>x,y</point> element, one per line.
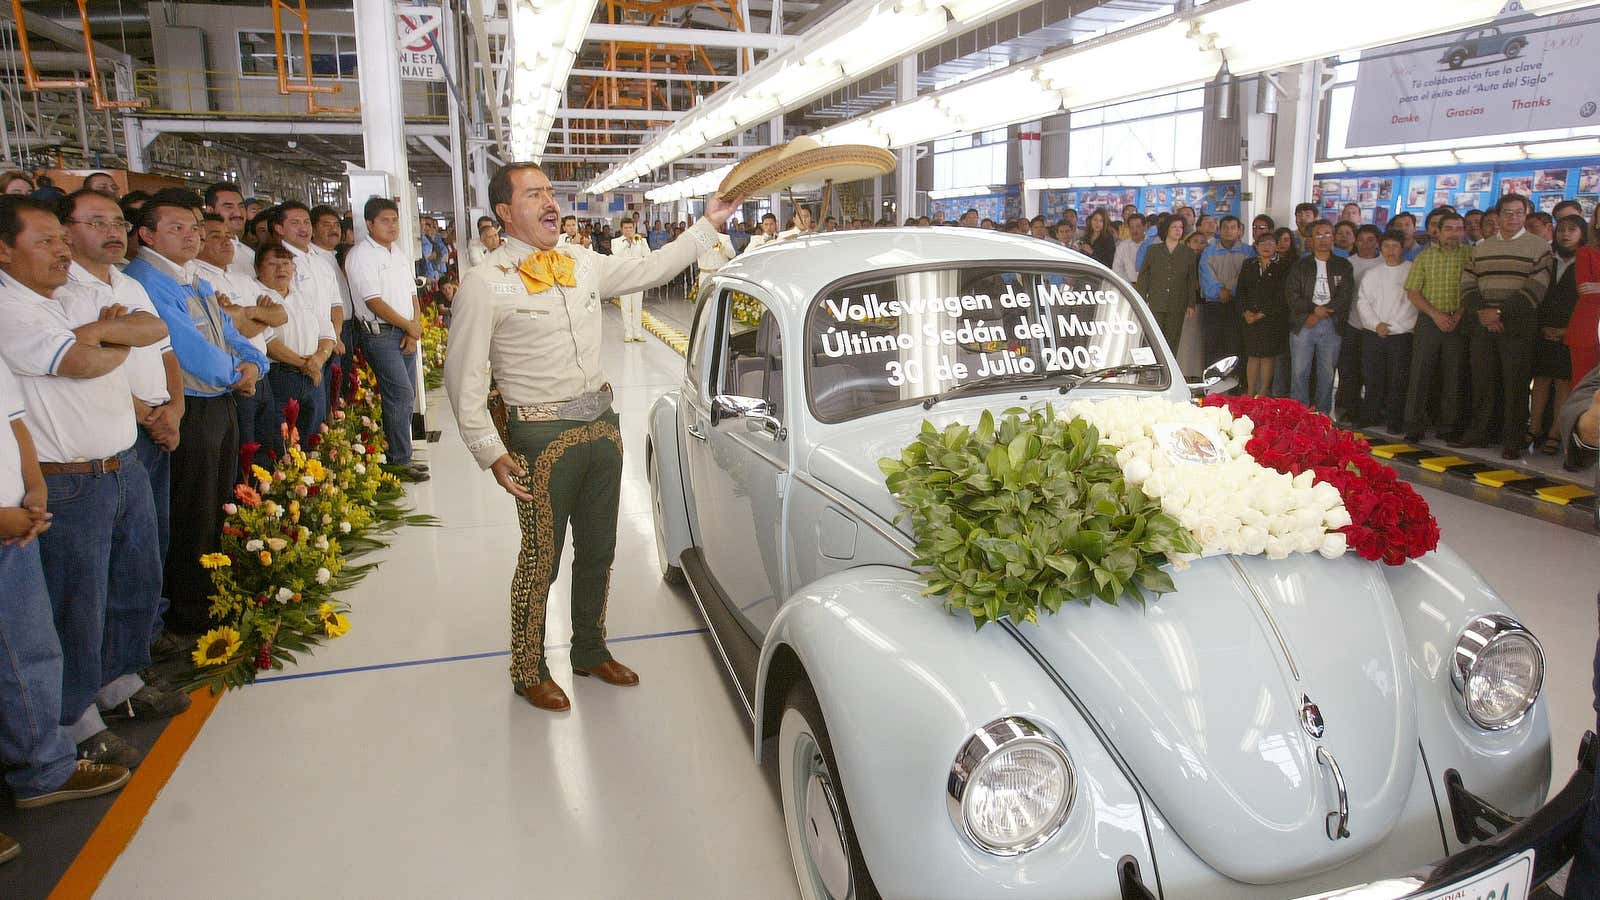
<point>102,224</point>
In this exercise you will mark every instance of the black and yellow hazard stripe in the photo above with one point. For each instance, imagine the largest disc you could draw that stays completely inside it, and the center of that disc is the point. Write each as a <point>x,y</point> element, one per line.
<point>1494,477</point>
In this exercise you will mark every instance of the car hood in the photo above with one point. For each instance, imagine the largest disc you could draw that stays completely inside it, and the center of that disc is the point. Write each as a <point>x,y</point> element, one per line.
<point>1202,693</point>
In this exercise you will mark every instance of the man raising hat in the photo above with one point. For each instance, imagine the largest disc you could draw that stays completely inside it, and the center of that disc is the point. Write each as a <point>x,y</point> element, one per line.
<point>532,312</point>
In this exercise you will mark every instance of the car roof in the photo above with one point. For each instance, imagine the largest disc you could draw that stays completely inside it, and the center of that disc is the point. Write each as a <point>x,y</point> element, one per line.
<point>794,270</point>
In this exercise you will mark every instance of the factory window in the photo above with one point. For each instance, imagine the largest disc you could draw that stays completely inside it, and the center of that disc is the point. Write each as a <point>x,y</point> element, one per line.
<point>332,55</point>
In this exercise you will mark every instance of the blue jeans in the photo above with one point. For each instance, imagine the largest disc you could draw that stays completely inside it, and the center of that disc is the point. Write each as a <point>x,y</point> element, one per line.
<point>158,465</point>
<point>259,416</point>
<point>102,568</point>
<point>289,384</point>
<point>1316,347</point>
<point>34,746</point>
<point>397,373</point>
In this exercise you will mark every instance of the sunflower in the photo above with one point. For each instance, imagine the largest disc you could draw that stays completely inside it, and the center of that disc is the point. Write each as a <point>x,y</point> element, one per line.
<point>217,646</point>
<point>215,560</point>
<point>334,623</point>
<point>316,470</point>
<point>260,473</point>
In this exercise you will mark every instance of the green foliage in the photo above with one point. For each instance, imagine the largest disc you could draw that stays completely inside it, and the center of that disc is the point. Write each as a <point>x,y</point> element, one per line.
<point>1028,515</point>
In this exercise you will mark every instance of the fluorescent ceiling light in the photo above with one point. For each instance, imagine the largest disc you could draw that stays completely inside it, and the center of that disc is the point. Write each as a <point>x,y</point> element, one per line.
<point>1507,153</point>
<point>1161,178</point>
<point>1017,96</point>
<point>1327,167</point>
<point>1225,173</point>
<point>1580,147</point>
<point>1194,175</point>
<point>545,37</point>
<point>973,191</point>
<point>1421,160</point>
<point>1258,35</point>
<point>1100,71</point>
<point>1267,171</point>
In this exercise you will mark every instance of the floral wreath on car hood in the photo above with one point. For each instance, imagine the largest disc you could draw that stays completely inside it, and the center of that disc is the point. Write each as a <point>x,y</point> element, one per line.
<point>1039,509</point>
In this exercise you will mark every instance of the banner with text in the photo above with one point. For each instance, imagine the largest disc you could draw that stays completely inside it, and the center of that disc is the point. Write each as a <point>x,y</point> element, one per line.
<point>421,42</point>
<point>1516,74</point>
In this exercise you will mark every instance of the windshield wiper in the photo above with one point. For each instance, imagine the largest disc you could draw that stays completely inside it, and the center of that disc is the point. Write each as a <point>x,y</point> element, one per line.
<point>1109,372</point>
<point>990,380</point>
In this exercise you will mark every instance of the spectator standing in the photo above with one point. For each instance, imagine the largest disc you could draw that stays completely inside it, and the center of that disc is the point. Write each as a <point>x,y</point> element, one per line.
<point>300,346</point>
<point>1406,225</point>
<point>1126,260</point>
<point>1439,344</point>
<point>631,246</point>
<point>1501,288</point>
<point>1098,240</point>
<point>1541,225</point>
<point>1347,396</point>
<point>1472,222</point>
<point>224,199</point>
<point>1220,264</point>
<point>487,241</point>
<point>969,219</point>
<point>101,556</point>
<point>1169,281</point>
<point>317,286</point>
<point>35,749</point>
<point>254,315</point>
<point>217,361</point>
<point>1552,361</point>
<point>386,306</point>
<point>326,232</point>
<point>1039,227</point>
<point>1319,291</point>
<point>434,254</point>
<point>1260,225</point>
<point>1387,318</point>
<point>569,231</point>
<point>1583,329</point>
<point>1288,244</point>
<point>1265,315</point>
<point>98,238</point>
<point>1305,214</point>
<point>659,235</point>
<point>1351,212</point>
<point>1344,238</point>
<point>767,234</point>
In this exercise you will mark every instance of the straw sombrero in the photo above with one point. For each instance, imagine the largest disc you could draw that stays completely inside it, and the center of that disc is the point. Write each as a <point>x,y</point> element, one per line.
<point>804,165</point>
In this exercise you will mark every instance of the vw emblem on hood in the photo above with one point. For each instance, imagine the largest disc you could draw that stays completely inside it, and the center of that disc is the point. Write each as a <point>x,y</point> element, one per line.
<point>1310,717</point>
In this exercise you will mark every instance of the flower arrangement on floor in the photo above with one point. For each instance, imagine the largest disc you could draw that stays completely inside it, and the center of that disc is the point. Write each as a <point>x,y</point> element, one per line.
<point>435,341</point>
<point>289,541</point>
<point>1389,520</point>
<point>1042,509</point>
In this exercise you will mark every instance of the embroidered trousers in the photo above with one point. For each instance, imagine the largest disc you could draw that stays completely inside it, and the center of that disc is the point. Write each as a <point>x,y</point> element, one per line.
<point>575,476</point>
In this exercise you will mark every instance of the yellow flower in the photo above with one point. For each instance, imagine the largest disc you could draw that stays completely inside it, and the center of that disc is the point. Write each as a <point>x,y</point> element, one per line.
<point>334,624</point>
<point>266,558</point>
<point>315,469</point>
<point>261,474</point>
<point>294,510</point>
<point>215,560</point>
<point>217,646</point>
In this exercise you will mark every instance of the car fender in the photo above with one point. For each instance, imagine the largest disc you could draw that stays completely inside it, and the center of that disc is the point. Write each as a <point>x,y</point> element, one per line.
<point>1438,595</point>
<point>902,685</point>
<point>669,498</point>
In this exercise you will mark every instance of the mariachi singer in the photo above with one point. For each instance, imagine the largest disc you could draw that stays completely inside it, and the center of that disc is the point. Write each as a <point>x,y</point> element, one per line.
<point>529,318</point>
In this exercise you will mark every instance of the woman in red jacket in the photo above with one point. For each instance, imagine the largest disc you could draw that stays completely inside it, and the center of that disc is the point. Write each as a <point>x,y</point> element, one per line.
<point>1583,332</point>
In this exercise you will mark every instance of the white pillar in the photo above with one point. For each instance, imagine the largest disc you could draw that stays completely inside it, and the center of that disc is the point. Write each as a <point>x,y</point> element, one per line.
<point>458,157</point>
<point>1255,149</point>
<point>1030,153</point>
<point>775,200</point>
<point>133,137</point>
<point>1295,149</point>
<point>905,194</point>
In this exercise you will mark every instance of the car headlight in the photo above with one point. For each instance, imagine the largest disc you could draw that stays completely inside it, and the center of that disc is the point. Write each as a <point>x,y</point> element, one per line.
<point>1497,671</point>
<point>1011,787</point>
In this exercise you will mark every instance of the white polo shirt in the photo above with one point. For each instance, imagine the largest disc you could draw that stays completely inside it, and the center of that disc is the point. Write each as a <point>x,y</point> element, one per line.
<point>330,262</point>
<point>314,279</point>
<point>308,323</point>
<point>382,274</point>
<point>244,260</point>
<point>12,409</point>
<point>145,370</point>
<point>70,419</point>
<point>242,290</point>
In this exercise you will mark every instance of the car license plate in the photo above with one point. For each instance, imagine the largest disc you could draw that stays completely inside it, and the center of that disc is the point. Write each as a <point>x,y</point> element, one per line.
<point>1510,880</point>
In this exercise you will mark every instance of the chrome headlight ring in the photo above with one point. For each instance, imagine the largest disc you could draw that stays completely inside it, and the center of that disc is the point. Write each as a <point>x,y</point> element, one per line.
<point>1485,662</point>
<point>1015,751</point>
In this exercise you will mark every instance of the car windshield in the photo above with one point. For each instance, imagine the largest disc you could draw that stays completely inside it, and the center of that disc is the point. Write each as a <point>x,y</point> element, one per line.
<point>885,340</point>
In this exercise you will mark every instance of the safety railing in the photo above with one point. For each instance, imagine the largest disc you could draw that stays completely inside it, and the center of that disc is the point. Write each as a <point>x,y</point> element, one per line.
<point>225,94</point>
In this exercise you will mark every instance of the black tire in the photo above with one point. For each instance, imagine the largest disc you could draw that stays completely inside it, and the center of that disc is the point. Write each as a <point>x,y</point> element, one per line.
<point>1456,59</point>
<point>1514,48</point>
<point>802,700</point>
<point>673,575</point>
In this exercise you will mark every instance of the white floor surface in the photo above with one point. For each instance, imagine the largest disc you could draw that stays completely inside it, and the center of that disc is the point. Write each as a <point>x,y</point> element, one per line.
<point>397,763</point>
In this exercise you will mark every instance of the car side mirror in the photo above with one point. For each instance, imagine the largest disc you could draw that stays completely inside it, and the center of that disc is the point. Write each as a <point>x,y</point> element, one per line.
<point>1218,378</point>
<point>756,413</point>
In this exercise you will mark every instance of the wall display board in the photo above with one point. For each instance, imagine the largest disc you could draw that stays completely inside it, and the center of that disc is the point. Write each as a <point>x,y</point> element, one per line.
<point>1518,73</point>
<point>999,207</point>
<point>1217,198</point>
<point>1466,187</point>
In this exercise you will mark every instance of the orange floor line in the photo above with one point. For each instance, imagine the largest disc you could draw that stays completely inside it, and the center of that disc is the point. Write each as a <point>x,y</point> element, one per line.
<point>114,832</point>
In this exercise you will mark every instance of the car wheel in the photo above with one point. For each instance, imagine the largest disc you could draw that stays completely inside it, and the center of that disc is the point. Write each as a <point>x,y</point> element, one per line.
<point>1456,59</point>
<point>827,859</point>
<point>1514,48</point>
<point>670,573</point>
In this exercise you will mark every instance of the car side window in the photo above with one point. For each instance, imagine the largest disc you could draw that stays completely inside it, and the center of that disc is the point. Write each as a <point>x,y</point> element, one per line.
<point>702,335</point>
<point>752,364</point>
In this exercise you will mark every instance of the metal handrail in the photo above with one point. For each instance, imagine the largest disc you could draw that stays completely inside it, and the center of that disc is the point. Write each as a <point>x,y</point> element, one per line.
<point>31,74</point>
<point>310,88</point>
<point>246,92</point>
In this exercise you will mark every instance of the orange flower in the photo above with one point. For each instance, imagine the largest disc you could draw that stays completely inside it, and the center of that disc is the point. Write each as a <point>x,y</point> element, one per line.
<point>266,558</point>
<point>247,495</point>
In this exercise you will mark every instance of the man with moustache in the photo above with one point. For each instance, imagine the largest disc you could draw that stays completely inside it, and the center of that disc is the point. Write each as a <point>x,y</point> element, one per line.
<point>316,281</point>
<point>532,313</point>
<point>254,313</point>
<point>217,361</point>
<point>326,230</point>
<point>226,200</point>
<point>98,238</point>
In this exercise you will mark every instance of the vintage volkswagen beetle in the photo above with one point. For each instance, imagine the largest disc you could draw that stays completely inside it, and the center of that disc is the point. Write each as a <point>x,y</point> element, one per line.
<point>1272,729</point>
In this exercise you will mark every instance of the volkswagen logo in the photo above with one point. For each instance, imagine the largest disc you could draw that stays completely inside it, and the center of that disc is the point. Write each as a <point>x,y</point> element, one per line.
<point>1310,717</point>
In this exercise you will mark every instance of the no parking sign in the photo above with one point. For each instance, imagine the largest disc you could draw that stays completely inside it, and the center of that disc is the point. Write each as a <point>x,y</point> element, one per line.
<point>419,39</point>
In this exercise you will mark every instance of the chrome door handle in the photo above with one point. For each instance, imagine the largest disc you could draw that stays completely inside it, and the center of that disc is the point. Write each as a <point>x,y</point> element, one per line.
<point>1339,818</point>
<point>696,433</point>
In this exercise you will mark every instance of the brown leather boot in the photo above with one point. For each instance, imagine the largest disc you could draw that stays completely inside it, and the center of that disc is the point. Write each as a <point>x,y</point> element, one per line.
<point>611,672</point>
<point>547,695</point>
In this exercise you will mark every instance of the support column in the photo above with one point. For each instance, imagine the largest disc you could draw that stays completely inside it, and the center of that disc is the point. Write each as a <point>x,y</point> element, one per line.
<point>458,160</point>
<point>905,193</point>
<point>1030,157</point>
<point>775,201</point>
<point>1295,149</point>
<point>1256,149</point>
<point>133,138</point>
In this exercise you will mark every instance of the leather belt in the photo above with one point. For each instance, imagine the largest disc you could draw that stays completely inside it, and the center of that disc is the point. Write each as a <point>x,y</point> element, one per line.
<point>93,467</point>
<point>583,408</point>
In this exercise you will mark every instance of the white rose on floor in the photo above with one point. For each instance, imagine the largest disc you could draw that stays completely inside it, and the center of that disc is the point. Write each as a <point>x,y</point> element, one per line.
<point>324,576</point>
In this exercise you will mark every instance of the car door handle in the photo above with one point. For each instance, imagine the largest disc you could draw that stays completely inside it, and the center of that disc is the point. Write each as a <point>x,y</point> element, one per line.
<point>696,433</point>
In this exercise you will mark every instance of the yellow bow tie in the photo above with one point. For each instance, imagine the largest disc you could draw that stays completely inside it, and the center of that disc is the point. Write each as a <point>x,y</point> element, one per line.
<point>545,269</point>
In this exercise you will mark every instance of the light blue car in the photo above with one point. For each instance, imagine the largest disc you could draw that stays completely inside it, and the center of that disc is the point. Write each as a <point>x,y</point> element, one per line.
<point>1273,729</point>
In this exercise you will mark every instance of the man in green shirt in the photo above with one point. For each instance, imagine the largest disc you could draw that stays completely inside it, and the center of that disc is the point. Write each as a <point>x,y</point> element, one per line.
<point>1439,347</point>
